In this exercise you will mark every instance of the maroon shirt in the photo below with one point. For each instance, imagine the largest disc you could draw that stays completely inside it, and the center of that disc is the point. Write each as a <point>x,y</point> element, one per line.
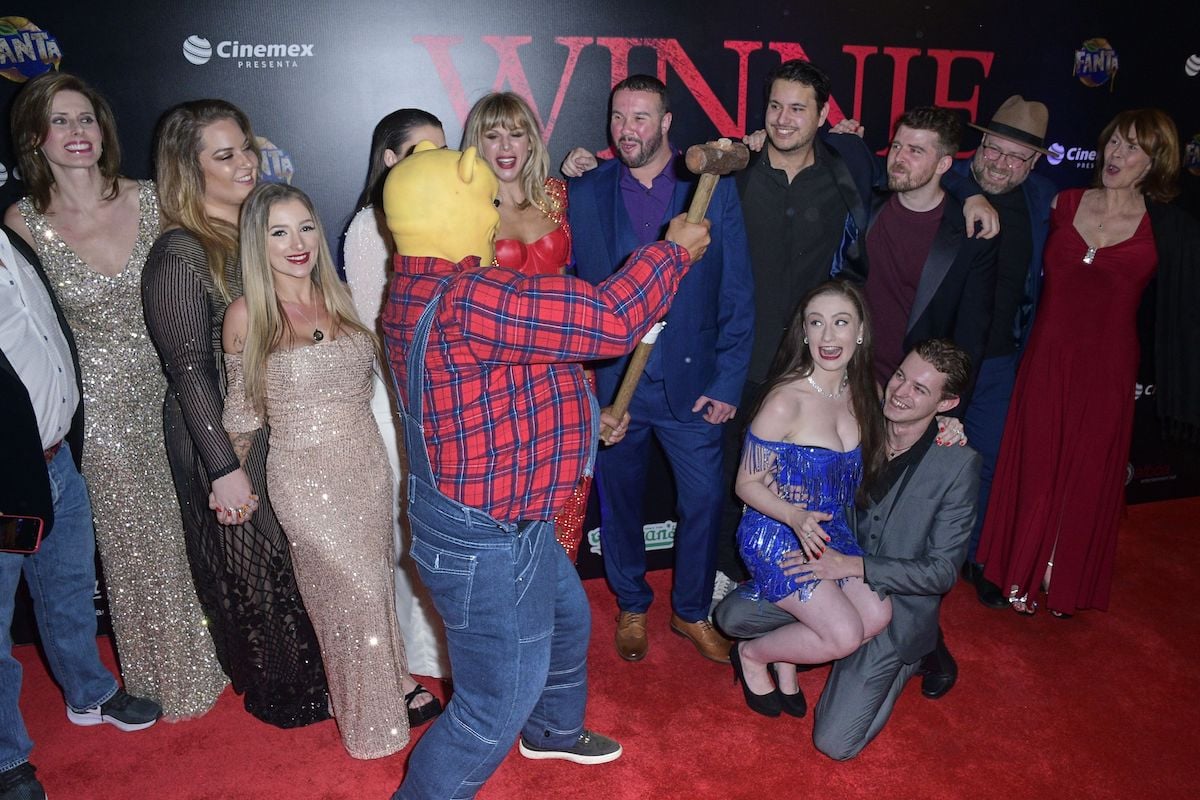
<point>898,243</point>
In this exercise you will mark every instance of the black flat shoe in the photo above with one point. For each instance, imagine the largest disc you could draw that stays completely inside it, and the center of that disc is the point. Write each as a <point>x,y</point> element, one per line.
<point>769,704</point>
<point>419,715</point>
<point>794,705</point>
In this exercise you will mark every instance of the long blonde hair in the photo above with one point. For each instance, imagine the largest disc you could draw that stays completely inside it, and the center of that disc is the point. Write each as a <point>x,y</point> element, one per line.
<point>509,111</point>
<point>266,321</point>
<point>181,180</point>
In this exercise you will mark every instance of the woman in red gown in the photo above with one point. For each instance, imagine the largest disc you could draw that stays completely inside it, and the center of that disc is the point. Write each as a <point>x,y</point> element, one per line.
<point>1059,489</point>
<point>533,236</point>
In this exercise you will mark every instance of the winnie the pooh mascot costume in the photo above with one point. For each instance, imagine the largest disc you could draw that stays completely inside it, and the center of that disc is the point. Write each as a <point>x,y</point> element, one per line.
<point>499,426</point>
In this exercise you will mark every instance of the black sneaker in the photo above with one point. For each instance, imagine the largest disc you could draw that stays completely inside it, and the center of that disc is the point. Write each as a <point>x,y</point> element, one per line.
<point>589,748</point>
<point>18,783</point>
<point>123,710</point>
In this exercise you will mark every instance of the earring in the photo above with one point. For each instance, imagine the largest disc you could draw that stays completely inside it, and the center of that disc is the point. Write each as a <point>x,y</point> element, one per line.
<point>806,340</point>
<point>858,340</point>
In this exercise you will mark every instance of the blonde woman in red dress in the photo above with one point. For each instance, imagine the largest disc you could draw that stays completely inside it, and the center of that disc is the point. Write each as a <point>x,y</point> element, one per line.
<point>533,236</point>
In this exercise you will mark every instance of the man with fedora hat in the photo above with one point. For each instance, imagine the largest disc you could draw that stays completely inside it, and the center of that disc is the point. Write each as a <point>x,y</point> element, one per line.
<point>1011,145</point>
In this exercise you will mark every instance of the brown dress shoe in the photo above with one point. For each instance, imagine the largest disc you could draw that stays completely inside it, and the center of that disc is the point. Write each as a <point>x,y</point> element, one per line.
<point>711,644</point>
<point>631,636</point>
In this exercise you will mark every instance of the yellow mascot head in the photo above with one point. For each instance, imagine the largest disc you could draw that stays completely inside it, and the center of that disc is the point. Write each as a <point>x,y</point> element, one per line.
<point>441,203</point>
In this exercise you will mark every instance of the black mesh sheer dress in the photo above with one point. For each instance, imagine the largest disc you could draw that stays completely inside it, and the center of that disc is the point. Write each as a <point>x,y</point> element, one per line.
<point>243,573</point>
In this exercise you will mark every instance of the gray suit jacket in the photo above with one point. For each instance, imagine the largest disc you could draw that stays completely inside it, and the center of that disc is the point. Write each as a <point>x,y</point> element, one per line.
<point>916,541</point>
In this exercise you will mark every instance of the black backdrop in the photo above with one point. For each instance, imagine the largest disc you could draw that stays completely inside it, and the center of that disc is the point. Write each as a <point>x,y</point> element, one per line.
<point>316,76</point>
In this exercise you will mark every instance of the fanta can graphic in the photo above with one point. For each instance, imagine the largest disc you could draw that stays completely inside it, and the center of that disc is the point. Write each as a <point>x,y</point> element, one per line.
<point>1096,63</point>
<point>26,50</point>
<point>276,165</point>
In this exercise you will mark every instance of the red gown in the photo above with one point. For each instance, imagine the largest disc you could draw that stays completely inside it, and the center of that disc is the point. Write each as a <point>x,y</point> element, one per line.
<point>1059,485</point>
<point>550,255</point>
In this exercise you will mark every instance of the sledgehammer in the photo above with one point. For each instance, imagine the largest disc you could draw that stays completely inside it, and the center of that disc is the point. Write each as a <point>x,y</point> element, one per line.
<point>710,161</point>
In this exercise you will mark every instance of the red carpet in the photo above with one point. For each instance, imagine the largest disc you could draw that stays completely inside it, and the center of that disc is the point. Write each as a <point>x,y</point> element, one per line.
<point>1099,706</point>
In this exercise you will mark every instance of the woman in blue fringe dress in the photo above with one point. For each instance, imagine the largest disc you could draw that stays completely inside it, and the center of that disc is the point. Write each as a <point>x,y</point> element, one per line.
<point>816,438</point>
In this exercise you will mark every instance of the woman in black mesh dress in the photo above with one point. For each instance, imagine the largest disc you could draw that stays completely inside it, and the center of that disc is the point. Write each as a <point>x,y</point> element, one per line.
<point>206,164</point>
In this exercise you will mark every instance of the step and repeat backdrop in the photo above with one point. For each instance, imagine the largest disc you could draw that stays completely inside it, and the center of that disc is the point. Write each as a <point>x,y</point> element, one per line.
<point>315,77</point>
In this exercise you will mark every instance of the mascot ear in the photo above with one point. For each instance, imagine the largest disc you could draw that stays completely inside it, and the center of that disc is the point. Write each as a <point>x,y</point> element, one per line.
<point>466,166</point>
<point>424,145</point>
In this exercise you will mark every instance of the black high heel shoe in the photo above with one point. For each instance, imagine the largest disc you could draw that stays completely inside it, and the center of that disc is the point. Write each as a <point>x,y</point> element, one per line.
<point>769,704</point>
<point>794,705</point>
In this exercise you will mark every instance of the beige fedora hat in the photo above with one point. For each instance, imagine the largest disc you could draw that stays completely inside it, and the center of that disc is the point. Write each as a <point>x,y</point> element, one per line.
<point>1021,121</point>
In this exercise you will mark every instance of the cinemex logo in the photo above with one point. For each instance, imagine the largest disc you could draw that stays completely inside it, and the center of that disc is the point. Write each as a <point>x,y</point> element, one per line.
<point>199,51</point>
<point>1079,156</point>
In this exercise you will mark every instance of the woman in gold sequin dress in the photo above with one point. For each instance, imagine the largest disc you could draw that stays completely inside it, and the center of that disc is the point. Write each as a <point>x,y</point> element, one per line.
<point>207,162</point>
<point>92,230</point>
<point>534,236</point>
<point>298,360</point>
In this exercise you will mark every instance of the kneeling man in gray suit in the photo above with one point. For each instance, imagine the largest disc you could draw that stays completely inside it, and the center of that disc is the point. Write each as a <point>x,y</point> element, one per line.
<point>914,529</point>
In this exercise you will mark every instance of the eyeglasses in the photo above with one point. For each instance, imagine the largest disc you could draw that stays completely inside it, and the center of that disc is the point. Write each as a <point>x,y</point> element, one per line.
<point>1010,160</point>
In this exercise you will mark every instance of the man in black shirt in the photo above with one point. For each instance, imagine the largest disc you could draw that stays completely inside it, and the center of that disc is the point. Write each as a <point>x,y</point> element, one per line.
<point>1003,164</point>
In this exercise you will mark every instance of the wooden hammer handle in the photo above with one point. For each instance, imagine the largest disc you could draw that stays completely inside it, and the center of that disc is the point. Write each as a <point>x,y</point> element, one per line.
<point>637,363</point>
<point>633,373</point>
<point>700,200</point>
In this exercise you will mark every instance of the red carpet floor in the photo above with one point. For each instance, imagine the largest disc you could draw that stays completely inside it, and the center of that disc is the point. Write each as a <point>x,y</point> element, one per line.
<point>1099,706</point>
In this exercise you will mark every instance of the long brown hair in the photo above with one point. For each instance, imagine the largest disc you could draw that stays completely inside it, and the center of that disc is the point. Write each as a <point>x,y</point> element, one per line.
<point>266,321</point>
<point>181,179</point>
<point>30,121</point>
<point>794,360</point>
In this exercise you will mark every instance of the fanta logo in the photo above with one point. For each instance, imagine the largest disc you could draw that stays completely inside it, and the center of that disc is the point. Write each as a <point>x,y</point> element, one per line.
<point>276,165</point>
<point>199,51</point>
<point>1096,62</point>
<point>1079,156</point>
<point>26,50</point>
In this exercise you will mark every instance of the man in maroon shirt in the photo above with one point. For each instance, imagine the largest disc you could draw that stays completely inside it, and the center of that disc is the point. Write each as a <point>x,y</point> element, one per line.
<point>926,279</point>
<point>499,426</point>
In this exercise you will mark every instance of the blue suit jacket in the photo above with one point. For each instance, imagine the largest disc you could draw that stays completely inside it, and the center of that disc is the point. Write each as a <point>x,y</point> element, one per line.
<point>1039,193</point>
<point>705,348</point>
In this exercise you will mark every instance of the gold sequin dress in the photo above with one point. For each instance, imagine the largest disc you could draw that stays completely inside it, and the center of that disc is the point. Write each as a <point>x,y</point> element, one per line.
<point>165,650</point>
<point>331,487</point>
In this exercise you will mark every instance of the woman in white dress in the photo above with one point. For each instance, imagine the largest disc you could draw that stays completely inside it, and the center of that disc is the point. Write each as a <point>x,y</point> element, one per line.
<point>367,256</point>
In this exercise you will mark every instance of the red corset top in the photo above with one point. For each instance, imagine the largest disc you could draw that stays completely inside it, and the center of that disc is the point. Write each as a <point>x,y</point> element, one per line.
<point>546,256</point>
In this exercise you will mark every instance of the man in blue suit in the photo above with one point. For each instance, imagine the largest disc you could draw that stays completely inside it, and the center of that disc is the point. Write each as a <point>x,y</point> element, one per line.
<point>694,377</point>
<point>1002,168</point>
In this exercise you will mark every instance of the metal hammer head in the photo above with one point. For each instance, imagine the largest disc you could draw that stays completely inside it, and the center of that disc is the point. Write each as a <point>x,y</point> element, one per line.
<point>717,158</point>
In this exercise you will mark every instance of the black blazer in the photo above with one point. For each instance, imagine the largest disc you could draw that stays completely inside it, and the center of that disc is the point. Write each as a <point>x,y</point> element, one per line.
<point>24,482</point>
<point>957,291</point>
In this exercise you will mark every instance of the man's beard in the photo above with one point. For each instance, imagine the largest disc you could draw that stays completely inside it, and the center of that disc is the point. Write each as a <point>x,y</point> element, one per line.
<point>649,149</point>
<point>989,184</point>
<point>908,181</point>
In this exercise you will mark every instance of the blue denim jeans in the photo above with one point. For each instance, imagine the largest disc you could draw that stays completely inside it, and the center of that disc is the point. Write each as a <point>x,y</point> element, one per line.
<point>517,629</point>
<point>62,580</point>
<point>517,623</point>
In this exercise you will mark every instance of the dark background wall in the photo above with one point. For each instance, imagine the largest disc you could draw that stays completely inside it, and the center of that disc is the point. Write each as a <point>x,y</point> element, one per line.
<point>344,65</point>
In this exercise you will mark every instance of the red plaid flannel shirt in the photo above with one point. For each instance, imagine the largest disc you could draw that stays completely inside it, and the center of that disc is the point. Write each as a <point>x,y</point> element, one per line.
<point>507,415</point>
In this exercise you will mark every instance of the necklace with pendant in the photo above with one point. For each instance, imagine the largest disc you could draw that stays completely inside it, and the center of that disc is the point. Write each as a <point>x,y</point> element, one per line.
<point>317,334</point>
<point>831,395</point>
